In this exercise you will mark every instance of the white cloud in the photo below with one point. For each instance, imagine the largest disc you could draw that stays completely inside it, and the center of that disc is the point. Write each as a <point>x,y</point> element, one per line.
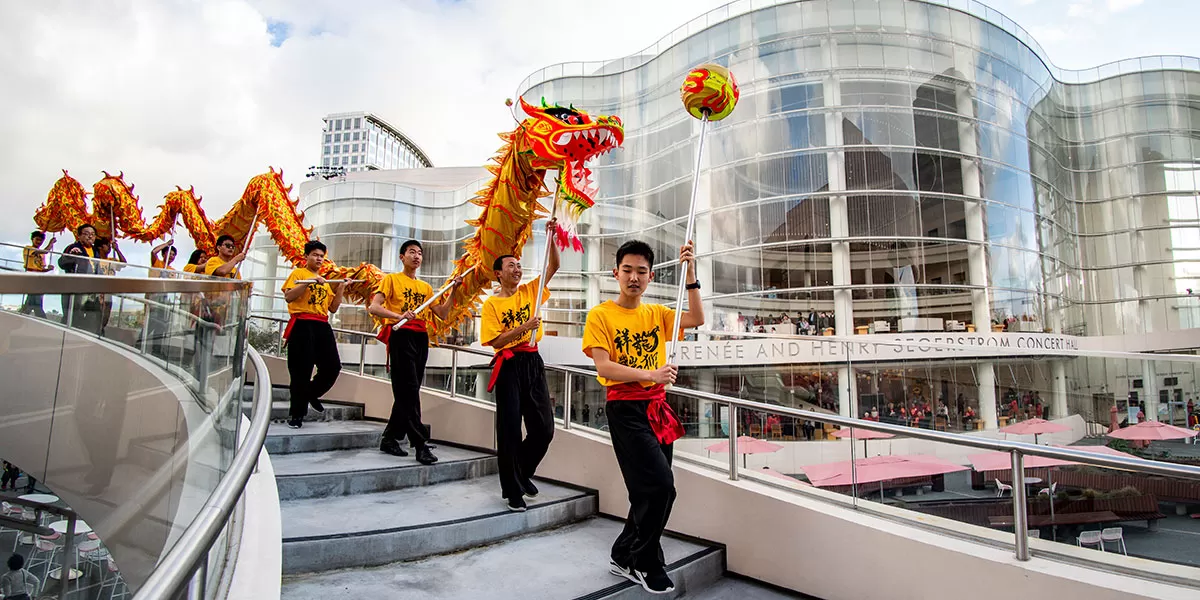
<point>1120,5</point>
<point>186,93</point>
<point>1080,9</point>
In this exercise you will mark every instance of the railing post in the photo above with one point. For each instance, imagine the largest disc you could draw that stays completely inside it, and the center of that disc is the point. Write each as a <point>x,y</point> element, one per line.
<point>567,402</point>
<point>68,556</point>
<point>198,582</point>
<point>453,373</point>
<point>733,435</point>
<point>1020,509</point>
<point>362,355</point>
<point>145,328</point>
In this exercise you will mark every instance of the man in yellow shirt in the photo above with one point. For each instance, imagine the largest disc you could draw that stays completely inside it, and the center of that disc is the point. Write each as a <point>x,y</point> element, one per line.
<point>225,263</point>
<point>627,341</point>
<point>161,257</point>
<point>395,300</point>
<point>309,337</point>
<point>518,375</point>
<point>35,262</point>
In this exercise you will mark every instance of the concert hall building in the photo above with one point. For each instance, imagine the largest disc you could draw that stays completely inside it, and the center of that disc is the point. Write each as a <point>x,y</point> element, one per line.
<point>913,172</point>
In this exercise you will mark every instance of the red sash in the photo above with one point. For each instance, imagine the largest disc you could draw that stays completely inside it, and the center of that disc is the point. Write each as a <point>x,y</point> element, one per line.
<point>287,331</point>
<point>663,421</point>
<point>504,355</point>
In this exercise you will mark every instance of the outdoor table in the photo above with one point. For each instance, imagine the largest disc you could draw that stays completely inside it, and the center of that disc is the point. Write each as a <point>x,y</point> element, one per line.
<point>39,498</point>
<point>80,527</point>
<point>1029,483</point>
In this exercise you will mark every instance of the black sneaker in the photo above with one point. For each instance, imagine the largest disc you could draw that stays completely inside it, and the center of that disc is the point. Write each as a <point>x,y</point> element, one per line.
<point>655,581</point>
<point>528,488</point>
<point>516,504</point>
<point>295,423</point>
<point>390,446</point>
<point>317,406</point>
<point>615,568</point>
<point>425,457</point>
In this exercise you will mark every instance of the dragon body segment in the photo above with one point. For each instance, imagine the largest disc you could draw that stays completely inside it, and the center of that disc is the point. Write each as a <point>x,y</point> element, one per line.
<point>551,138</point>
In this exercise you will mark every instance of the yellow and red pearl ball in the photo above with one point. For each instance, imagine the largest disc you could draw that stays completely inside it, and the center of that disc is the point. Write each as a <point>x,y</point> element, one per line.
<point>709,89</point>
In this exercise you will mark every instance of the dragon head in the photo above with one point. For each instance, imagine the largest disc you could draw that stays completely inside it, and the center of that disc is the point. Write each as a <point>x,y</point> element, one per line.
<point>566,139</point>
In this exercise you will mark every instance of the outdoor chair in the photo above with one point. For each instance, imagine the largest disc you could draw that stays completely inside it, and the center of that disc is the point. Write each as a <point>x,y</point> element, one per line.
<point>1001,488</point>
<point>1049,491</point>
<point>1035,533</point>
<point>1113,534</point>
<point>1091,538</point>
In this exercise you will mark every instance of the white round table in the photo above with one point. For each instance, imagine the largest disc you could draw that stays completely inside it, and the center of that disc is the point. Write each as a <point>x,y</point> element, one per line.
<point>80,527</point>
<point>39,498</point>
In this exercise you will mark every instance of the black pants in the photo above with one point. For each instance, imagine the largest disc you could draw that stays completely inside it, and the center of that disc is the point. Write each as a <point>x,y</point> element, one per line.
<point>311,343</point>
<point>408,350</point>
<point>33,306</point>
<point>521,394</point>
<point>646,468</point>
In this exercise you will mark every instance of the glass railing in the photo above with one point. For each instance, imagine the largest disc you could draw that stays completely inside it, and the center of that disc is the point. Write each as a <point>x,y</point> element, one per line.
<point>1060,487</point>
<point>122,410</point>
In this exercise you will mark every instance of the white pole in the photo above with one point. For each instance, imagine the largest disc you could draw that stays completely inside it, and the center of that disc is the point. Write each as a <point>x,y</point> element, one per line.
<point>449,284</point>
<point>691,225</point>
<point>537,303</point>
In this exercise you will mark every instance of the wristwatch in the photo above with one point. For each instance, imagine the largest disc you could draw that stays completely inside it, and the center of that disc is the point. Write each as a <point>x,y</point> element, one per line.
<point>693,286</point>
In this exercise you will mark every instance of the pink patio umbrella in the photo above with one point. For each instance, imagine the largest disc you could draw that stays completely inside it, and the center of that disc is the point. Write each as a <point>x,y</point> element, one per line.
<point>999,461</point>
<point>878,469</point>
<point>1034,427</point>
<point>1148,431</point>
<point>777,474</point>
<point>746,445</point>
<point>862,434</point>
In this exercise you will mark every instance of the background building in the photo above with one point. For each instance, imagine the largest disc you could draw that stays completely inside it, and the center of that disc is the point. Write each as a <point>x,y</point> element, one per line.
<point>894,169</point>
<point>361,141</point>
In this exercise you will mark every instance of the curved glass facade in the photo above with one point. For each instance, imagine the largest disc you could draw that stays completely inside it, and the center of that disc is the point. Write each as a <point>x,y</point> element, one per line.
<point>905,166</point>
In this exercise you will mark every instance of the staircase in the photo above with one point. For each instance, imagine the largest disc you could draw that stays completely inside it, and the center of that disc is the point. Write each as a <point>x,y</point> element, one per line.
<point>358,523</point>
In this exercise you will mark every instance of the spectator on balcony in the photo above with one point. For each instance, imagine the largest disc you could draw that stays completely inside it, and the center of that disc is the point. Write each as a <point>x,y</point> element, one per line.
<point>225,263</point>
<point>111,257</point>
<point>195,262</point>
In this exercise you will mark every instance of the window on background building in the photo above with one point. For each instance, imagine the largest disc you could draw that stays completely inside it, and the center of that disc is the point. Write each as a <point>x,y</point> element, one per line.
<point>345,148</point>
<point>358,122</point>
<point>346,123</point>
<point>354,147</point>
<point>345,160</point>
<point>337,149</point>
<point>328,138</point>
<point>326,161</point>
<point>354,160</point>
<point>355,138</point>
<point>337,137</point>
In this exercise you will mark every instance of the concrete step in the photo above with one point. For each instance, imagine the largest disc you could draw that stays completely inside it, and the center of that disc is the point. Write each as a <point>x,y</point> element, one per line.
<point>322,436</point>
<point>570,562</point>
<point>743,589</point>
<point>333,412</point>
<point>321,534</point>
<point>278,394</point>
<point>367,470</point>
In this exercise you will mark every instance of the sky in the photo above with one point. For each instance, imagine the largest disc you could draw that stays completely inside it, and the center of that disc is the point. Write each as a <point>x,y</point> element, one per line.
<point>210,93</point>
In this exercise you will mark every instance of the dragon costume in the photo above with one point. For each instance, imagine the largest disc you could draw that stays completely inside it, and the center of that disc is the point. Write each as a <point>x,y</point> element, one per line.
<point>552,137</point>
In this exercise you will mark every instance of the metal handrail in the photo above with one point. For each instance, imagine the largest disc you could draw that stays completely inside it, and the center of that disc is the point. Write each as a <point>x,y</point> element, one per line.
<point>31,283</point>
<point>1016,450</point>
<point>186,565</point>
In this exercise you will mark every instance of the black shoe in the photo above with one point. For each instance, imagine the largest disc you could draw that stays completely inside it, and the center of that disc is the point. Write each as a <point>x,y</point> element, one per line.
<point>528,488</point>
<point>317,406</point>
<point>615,568</point>
<point>516,504</point>
<point>390,446</point>
<point>295,423</point>
<point>425,457</point>
<point>655,581</point>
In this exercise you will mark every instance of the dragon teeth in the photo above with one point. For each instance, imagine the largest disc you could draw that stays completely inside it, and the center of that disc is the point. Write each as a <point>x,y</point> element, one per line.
<point>563,139</point>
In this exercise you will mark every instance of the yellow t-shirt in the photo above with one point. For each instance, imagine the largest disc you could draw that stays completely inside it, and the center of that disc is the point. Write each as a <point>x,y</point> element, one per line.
<point>401,294</point>
<point>189,268</point>
<point>214,263</point>
<point>34,259</point>
<point>157,263</point>
<point>505,314</point>
<point>634,338</point>
<point>315,300</point>
<point>91,252</point>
